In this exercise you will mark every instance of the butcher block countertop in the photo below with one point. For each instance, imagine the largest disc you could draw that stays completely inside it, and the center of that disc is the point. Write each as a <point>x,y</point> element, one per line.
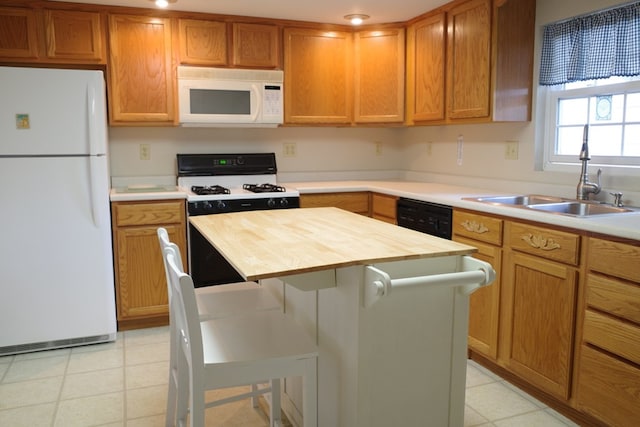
<point>276,243</point>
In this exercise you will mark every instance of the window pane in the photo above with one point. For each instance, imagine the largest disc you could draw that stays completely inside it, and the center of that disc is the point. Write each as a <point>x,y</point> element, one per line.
<point>569,141</point>
<point>633,107</point>
<point>572,111</point>
<point>632,140</point>
<point>605,140</point>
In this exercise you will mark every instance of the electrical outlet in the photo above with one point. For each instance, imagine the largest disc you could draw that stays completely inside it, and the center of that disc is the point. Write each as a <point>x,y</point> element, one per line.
<point>511,150</point>
<point>145,152</point>
<point>460,149</point>
<point>289,149</point>
<point>378,148</point>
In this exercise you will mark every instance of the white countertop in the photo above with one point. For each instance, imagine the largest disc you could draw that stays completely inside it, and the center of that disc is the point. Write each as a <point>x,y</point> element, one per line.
<point>625,225</point>
<point>621,225</point>
<point>124,194</point>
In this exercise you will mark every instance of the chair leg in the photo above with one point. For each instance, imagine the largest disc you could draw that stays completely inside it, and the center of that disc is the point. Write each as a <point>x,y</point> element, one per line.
<point>275,413</point>
<point>172,395</point>
<point>182,399</point>
<point>196,400</point>
<point>254,399</point>
<point>310,393</point>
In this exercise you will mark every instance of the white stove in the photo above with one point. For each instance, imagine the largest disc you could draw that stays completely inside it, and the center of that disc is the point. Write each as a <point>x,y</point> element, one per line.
<point>220,183</point>
<point>217,183</point>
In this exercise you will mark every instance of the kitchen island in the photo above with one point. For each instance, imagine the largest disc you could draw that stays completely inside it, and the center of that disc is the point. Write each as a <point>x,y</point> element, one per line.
<point>388,307</point>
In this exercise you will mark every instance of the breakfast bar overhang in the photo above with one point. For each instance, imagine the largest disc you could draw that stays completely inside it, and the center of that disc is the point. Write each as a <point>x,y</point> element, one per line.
<point>388,307</point>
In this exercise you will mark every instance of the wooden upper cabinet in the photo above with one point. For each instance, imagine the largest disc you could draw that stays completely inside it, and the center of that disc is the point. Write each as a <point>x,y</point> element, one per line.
<point>469,60</point>
<point>18,34</point>
<point>141,74</point>
<point>74,35</point>
<point>318,76</point>
<point>512,77</point>
<point>379,76</point>
<point>426,62</point>
<point>203,42</point>
<point>256,45</point>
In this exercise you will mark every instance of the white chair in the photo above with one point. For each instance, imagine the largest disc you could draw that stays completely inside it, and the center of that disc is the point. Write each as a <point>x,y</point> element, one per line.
<point>236,350</point>
<point>238,298</point>
<point>213,301</point>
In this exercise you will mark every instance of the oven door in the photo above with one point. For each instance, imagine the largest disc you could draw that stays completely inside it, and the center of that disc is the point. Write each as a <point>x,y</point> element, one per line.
<point>207,266</point>
<point>204,102</point>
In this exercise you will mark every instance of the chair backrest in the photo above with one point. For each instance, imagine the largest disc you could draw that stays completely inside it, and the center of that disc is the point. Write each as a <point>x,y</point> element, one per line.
<point>184,311</point>
<point>163,238</point>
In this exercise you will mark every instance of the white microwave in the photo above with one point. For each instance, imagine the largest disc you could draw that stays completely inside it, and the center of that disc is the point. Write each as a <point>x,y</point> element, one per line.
<point>228,97</point>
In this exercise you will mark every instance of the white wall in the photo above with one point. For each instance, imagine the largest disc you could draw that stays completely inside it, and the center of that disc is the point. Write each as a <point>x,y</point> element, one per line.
<point>321,153</point>
<point>350,153</point>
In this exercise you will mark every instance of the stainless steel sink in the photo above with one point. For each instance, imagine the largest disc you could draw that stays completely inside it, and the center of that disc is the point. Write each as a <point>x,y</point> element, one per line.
<point>521,200</point>
<point>554,205</point>
<point>579,208</point>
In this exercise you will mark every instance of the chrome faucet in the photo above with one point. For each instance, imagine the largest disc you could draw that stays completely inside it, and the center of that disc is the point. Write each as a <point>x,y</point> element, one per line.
<point>585,187</point>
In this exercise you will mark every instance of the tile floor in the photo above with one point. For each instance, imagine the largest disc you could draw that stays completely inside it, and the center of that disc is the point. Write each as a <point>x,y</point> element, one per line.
<point>125,384</point>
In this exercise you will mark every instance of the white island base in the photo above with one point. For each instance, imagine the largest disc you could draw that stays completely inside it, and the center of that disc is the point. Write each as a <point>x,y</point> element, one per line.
<point>401,361</point>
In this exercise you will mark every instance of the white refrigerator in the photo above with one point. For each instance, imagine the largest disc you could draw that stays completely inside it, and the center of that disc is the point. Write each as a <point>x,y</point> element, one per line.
<point>56,267</point>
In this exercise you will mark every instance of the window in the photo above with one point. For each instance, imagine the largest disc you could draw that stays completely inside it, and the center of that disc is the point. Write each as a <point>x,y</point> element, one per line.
<point>611,109</point>
<point>590,75</point>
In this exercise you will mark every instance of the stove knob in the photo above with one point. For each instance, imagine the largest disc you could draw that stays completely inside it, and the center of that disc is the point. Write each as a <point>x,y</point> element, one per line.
<point>284,202</point>
<point>240,160</point>
<point>271,203</point>
<point>221,205</point>
<point>206,206</point>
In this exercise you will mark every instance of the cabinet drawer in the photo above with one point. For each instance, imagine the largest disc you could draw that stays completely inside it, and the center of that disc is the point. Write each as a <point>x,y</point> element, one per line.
<point>545,243</point>
<point>613,335</point>
<point>608,388</point>
<point>149,213</point>
<point>478,227</point>
<point>615,259</point>
<point>618,298</point>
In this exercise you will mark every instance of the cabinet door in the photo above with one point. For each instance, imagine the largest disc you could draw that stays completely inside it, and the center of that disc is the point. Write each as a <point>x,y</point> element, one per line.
<point>383,207</point>
<point>379,76</point>
<point>142,285</point>
<point>484,304</point>
<point>74,35</point>
<point>539,315</point>
<point>318,76</point>
<point>202,42</point>
<point>426,61</point>
<point>140,71</point>
<point>18,36</point>
<point>469,60</point>
<point>256,45</point>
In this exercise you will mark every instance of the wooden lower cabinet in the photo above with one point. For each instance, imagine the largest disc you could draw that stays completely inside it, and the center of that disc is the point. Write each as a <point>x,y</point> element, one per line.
<point>608,379</point>
<point>141,288</point>
<point>383,207</point>
<point>357,201</point>
<point>539,298</point>
<point>485,233</point>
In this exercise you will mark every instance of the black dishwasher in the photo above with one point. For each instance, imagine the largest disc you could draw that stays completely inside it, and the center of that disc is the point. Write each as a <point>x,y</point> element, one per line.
<point>430,218</point>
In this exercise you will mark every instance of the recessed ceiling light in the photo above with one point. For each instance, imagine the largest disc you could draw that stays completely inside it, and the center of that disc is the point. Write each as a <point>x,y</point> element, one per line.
<point>163,3</point>
<point>356,18</point>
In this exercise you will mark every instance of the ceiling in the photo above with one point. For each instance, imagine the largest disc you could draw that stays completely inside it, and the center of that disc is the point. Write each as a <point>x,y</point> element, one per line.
<point>327,11</point>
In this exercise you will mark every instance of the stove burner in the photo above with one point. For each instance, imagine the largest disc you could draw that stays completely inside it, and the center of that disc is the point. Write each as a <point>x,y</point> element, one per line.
<point>264,188</point>
<point>209,189</point>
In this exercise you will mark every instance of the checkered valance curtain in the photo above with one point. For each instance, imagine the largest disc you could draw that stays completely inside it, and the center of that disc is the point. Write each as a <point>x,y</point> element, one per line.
<point>595,46</point>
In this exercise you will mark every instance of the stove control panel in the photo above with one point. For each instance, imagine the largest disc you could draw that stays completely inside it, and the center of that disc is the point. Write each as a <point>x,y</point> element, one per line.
<point>209,207</point>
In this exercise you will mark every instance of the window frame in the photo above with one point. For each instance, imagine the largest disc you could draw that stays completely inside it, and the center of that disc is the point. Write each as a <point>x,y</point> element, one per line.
<point>617,165</point>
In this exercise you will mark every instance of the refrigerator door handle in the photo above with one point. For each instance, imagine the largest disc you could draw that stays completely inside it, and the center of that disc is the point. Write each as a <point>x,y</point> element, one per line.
<point>93,158</point>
